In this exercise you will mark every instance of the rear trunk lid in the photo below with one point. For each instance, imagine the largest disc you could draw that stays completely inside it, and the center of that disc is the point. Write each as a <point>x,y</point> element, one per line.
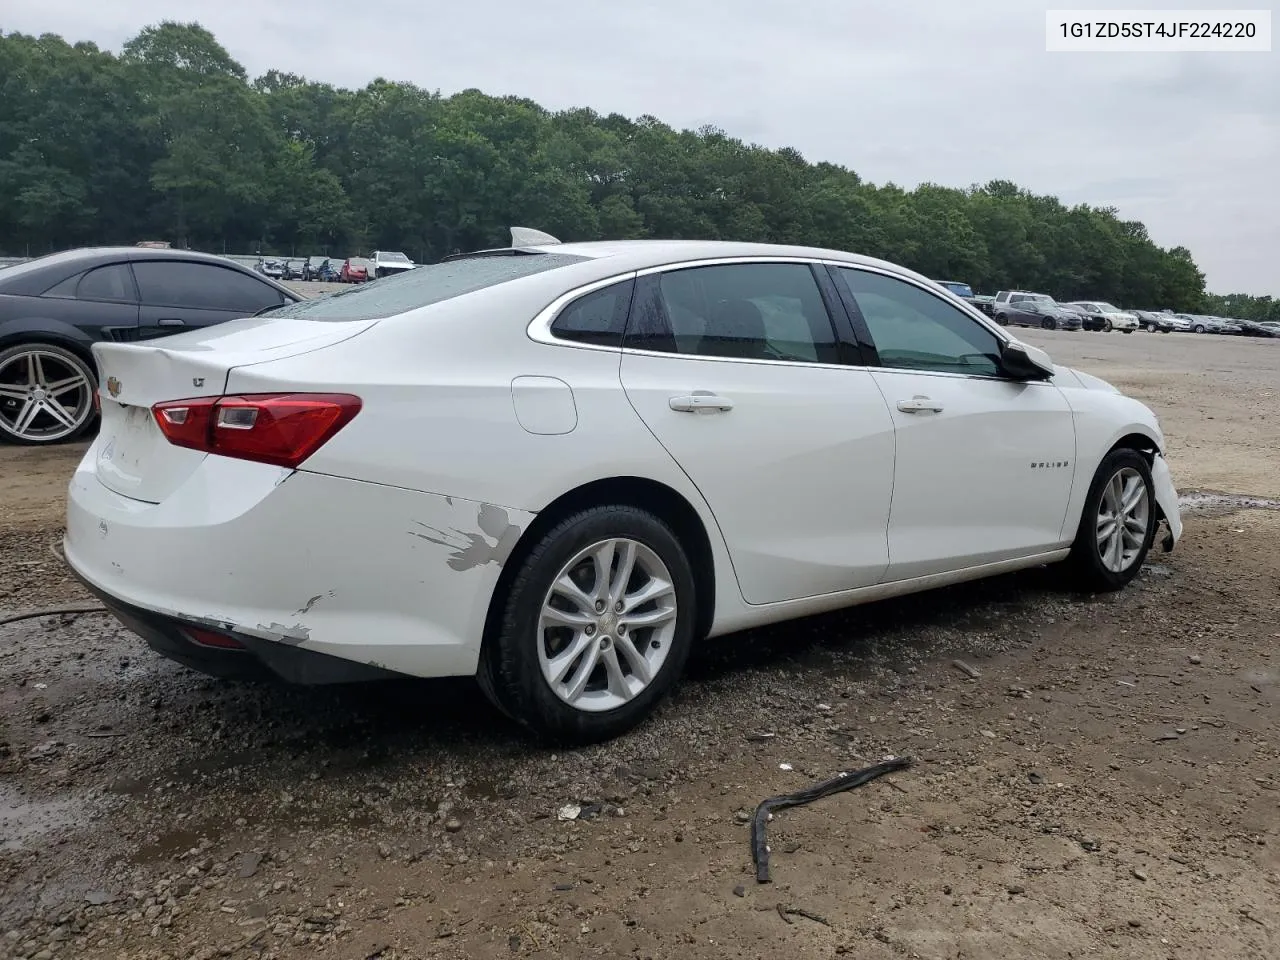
<point>133,457</point>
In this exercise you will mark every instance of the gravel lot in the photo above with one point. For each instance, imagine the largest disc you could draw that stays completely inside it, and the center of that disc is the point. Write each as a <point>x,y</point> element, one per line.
<point>1107,786</point>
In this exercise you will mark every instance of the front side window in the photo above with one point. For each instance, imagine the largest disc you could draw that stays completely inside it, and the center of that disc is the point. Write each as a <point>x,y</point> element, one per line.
<point>202,286</point>
<point>599,317</point>
<point>744,311</point>
<point>915,330</point>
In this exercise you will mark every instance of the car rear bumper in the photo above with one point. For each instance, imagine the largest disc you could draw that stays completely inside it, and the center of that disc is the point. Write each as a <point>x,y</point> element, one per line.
<point>242,658</point>
<point>390,579</point>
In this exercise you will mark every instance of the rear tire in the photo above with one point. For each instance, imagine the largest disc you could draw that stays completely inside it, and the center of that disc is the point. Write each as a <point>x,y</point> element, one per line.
<point>564,661</point>
<point>1117,526</point>
<point>1106,326</point>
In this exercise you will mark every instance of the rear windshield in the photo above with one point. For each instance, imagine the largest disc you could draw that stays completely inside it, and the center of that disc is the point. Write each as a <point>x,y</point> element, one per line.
<point>421,287</point>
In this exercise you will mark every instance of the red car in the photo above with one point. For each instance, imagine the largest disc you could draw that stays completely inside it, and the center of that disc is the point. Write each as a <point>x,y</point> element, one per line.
<point>353,273</point>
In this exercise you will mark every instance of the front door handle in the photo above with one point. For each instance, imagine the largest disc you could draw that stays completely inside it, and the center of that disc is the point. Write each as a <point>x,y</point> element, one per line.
<point>701,402</point>
<point>919,404</point>
<point>171,322</point>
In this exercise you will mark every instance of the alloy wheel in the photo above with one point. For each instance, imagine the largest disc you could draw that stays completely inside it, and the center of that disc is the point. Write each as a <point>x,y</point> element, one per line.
<point>46,395</point>
<point>607,625</point>
<point>1124,516</point>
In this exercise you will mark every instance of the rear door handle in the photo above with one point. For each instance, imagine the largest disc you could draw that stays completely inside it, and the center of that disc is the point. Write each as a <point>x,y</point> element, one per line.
<point>919,404</point>
<point>171,322</point>
<point>700,402</point>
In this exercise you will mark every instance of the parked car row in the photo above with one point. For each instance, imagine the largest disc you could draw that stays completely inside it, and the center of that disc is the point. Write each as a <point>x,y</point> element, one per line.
<point>380,263</point>
<point>1024,308</point>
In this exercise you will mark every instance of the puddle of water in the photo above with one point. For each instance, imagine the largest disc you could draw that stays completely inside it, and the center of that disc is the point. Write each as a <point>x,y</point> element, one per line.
<point>22,820</point>
<point>1225,501</point>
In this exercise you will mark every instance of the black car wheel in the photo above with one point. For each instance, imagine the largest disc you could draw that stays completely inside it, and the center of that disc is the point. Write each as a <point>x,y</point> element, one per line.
<point>46,394</point>
<point>1118,523</point>
<point>595,627</point>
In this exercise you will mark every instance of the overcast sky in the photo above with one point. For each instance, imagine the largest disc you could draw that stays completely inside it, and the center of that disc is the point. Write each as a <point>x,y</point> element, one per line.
<point>951,91</point>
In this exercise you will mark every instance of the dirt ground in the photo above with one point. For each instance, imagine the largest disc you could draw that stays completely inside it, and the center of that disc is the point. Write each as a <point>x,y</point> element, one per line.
<point>1108,785</point>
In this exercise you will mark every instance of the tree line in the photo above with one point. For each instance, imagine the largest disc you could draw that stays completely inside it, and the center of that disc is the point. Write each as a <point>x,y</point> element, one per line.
<point>170,139</point>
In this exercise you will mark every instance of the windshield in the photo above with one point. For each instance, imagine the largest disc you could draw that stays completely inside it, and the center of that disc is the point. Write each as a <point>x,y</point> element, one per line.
<point>392,257</point>
<point>1109,308</point>
<point>959,289</point>
<point>421,287</point>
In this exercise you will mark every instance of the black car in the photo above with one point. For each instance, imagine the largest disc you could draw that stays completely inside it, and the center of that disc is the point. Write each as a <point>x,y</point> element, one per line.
<point>1251,328</point>
<point>54,308</point>
<point>1150,320</point>
<point>1039,313</point>
<point>1091,320</point>
<point>965,293</point>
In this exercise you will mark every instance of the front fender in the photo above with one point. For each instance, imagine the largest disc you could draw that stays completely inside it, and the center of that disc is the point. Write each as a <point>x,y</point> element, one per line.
<point>1167,500</point>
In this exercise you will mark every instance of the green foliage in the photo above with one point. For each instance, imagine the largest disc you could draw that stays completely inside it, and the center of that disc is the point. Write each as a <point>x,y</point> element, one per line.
<point>171,140</point>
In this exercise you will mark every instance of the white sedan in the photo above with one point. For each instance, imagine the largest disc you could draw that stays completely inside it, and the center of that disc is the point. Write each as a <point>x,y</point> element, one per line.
<point>556,467</point>
<point>1113,318</point>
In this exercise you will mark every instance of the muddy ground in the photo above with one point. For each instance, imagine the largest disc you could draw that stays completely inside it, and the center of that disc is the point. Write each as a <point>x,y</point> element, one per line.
<point>1108,786</point>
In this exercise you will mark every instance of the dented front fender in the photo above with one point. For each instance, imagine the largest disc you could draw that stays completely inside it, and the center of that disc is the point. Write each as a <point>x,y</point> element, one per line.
<point>1167,500</point>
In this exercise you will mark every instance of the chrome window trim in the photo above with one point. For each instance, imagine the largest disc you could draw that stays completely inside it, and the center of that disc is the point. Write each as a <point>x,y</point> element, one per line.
<point>539,328</point>
<point>973,313</point>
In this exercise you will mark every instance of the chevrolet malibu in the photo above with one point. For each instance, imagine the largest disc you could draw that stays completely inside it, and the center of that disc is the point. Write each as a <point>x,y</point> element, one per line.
<point>558,467</point>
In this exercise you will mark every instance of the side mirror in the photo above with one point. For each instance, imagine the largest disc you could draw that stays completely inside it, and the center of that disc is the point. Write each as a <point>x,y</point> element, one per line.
<point>1021,361</point>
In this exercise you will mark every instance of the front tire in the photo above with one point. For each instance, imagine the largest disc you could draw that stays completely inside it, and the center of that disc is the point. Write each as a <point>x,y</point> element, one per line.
<point>46,394</point>
<point>595,628</point>
<point>1118,524</point>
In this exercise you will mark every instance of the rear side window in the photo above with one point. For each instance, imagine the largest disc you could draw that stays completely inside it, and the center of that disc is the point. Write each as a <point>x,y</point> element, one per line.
<point>599,317</point>
<point>63,288</point>
<point>112,282</point>
<point>423,286</point>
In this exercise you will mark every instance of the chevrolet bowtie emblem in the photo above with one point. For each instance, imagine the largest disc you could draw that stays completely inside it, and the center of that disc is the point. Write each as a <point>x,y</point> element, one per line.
<point>113,386</point>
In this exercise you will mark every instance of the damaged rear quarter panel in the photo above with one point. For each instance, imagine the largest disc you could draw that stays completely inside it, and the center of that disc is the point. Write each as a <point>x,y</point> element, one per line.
<point>346,573</point>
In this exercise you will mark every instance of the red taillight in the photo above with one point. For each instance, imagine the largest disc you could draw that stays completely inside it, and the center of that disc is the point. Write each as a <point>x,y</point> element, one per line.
<point>208,638</point>
<point>283,429</point>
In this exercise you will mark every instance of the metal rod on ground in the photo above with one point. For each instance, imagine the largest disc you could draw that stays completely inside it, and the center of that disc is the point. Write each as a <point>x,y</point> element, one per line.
<point>53,611</point>
<point>759,846</point>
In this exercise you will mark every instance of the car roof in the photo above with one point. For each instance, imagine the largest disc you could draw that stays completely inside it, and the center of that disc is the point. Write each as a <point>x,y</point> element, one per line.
<point>33,277</point>
<point>621,256</point>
